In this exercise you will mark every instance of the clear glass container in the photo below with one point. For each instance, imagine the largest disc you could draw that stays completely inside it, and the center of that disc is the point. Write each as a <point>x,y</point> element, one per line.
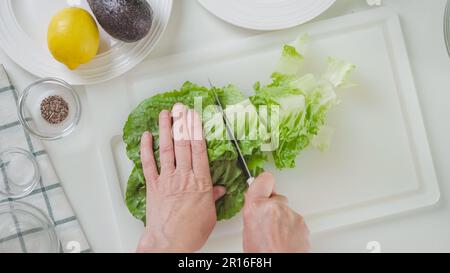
<point>26,229</point>
<point>30,108</point>
<point>19,173</point>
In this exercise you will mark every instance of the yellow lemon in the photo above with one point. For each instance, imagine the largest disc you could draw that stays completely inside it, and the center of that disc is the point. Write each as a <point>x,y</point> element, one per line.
<point>73,37</point>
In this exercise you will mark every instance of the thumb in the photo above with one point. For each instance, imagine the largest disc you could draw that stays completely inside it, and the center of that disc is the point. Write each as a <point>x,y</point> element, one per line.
<point>218,192</point>
<point>262,187</point>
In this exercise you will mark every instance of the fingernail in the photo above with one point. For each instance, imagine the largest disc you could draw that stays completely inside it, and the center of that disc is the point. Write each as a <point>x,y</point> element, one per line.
<point>179,107</point>
<point>164,113</point>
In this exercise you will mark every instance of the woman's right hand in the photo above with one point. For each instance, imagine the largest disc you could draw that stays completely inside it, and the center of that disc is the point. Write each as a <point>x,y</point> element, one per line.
<point>270,225</point>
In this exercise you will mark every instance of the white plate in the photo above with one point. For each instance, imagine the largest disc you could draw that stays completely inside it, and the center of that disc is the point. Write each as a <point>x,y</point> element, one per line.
<point>23,34</point>
<point>379,163</point>
<point>266,14</point>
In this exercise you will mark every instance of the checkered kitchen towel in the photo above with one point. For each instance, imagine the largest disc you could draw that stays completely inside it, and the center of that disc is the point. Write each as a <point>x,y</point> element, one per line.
<point>49,195</point>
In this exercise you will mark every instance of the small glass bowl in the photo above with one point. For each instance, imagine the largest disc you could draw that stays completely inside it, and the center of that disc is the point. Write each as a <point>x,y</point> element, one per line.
<point>30,108</point>
<point>26,229</point>
<point>19,173</point>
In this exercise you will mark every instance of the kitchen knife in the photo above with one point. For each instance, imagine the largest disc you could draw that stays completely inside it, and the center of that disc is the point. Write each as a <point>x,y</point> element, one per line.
<point>232,137</point>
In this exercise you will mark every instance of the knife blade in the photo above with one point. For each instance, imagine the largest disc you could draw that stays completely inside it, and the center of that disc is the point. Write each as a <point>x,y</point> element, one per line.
<point>232,137</point>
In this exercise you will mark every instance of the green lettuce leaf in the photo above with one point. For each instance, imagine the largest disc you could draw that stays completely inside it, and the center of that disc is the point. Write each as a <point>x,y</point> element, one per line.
<point>302,103</point>
<point>135,197</point>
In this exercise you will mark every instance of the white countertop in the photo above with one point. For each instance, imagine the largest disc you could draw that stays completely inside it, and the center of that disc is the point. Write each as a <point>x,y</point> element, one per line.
<point>191,27</point>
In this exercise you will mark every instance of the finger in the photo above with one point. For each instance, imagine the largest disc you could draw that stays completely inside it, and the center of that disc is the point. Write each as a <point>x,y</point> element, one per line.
<point>219,192</point>
<point>262,187</point>
<point>280,198</point>
<point>182,142</point>
<point>166,154</point>
<point>148,158</point>
<point>200,163</point>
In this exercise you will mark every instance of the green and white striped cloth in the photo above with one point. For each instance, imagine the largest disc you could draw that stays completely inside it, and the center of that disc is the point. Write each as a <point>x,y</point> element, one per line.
<point>49,195</point>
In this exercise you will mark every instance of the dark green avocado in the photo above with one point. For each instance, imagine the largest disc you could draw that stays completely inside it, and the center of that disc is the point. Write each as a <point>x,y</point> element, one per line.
<point>125,20</point>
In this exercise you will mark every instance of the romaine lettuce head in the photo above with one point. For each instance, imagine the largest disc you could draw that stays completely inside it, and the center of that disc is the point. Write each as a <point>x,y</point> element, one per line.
<point>282,118</point>
<point>225,169</point>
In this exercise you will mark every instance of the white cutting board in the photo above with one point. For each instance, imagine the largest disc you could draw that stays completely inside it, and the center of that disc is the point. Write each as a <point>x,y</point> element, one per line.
<point>379,163</point>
